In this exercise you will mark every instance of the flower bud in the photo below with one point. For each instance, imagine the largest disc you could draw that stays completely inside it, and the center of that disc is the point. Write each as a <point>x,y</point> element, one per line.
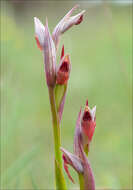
<point>63,70</point>
<point>88,123</point>
<point>74,20</point>
<point>67,22</point>
<point>85,126</point>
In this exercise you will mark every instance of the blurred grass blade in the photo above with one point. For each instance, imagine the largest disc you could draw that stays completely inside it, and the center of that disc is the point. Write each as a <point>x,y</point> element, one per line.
<point>17,185</point>
<point>18,166</point>
<point>34,185</point>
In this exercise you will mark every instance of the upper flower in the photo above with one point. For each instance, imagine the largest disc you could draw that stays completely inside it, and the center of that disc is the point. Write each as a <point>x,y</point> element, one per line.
<point>48,44</point>
<point>67,22</point>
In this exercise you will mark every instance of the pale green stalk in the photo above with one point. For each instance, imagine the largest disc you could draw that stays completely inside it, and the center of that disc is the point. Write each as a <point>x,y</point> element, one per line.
<point>60,181</point>
<point>81,178</point>
<point>81,181</point>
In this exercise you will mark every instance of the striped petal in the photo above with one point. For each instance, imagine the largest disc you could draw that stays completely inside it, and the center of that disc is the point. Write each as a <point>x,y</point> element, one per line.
<point>39,33</point>
<point>49,57</point>
<point>72,160</point>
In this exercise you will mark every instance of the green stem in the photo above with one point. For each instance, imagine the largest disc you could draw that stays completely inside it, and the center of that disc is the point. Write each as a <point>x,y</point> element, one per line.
<point>86,150</point>
<point>56,128</point>
<point>81,181</point>
<point>60,181</point>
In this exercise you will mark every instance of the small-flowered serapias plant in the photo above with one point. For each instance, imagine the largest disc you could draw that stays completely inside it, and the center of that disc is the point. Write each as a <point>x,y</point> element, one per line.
<point>57,76</point>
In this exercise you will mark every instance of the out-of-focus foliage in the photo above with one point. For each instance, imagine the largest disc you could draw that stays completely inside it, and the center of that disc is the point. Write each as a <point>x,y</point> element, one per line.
<point>100,51</point>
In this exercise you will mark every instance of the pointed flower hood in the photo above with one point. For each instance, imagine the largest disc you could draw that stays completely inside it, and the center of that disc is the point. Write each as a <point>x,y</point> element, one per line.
<point>66,22</point>
<point>63,69</point>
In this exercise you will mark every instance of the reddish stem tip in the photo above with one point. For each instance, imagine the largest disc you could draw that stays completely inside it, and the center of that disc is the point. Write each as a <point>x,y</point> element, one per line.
<point>62,52</point>
<point>87,102</point>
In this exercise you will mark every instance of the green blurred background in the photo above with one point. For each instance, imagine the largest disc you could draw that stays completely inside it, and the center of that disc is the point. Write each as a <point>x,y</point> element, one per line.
<point>101,50</point>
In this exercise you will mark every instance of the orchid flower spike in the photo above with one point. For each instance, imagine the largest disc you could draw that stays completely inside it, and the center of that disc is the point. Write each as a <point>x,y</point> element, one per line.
<point>63,69</point>
<point>67,22</point>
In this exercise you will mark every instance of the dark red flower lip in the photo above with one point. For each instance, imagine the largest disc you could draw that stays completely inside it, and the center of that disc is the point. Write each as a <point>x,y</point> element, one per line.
<point>65,66</point>
<point>88,121</point>
<point>87,115</point>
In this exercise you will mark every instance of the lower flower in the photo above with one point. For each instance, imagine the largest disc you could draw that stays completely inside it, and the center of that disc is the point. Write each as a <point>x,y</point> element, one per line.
<point>81,165</point>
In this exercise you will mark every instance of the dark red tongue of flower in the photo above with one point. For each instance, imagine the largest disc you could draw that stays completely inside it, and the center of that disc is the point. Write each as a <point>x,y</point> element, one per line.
<point>87,116</point>
<point>64,67</point>
<point>87,123</point>
<point>63,71</point>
